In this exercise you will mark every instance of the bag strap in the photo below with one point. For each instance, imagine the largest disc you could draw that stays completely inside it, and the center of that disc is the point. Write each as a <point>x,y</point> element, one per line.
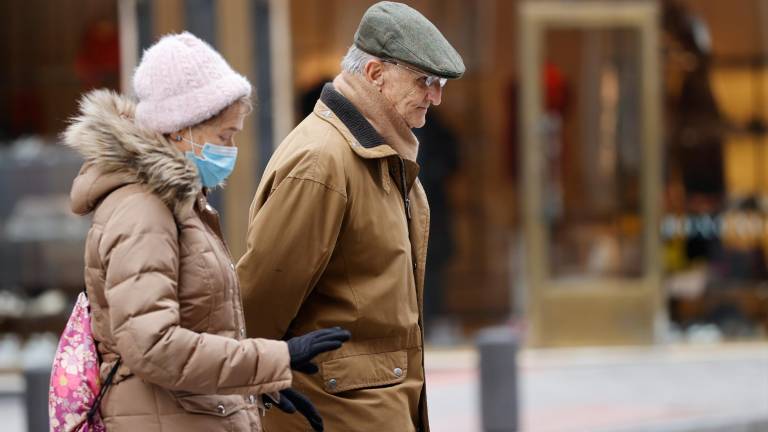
<point>102,391</point>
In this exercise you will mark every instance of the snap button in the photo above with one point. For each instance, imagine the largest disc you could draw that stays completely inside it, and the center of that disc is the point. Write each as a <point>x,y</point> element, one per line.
<point>398,372</point>
<point>242,332</point>
<point>220,408</point>
<point>232,266</point>
<point>252,399</point>
<point>332,383</point>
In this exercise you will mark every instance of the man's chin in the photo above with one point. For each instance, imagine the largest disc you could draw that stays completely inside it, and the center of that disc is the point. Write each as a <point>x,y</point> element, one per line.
<point>418,121</point>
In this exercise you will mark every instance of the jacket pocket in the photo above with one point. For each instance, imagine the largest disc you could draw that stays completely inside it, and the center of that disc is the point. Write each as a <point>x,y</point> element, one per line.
<point>216,405</point>
<point>364,370</point>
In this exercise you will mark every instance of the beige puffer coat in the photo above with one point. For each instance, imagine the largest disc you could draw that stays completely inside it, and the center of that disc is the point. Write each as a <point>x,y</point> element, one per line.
<point>163,291</point>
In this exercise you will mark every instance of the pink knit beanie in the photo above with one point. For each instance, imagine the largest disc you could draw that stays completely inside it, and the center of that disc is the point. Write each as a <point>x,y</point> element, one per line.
<point>181,82</point>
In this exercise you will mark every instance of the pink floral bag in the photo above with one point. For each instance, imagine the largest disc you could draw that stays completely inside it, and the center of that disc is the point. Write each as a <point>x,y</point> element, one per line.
<point>75,391</point>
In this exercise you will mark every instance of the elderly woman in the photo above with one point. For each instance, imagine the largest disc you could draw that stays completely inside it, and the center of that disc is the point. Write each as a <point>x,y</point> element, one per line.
<point>164,295</point>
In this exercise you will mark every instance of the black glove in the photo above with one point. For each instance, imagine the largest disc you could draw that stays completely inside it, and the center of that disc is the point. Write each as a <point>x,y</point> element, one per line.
<point>303,349</point>
<point>292,401</point>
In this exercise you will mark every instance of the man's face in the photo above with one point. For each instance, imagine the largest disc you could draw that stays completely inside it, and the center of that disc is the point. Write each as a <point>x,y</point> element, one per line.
<point>408,90</point>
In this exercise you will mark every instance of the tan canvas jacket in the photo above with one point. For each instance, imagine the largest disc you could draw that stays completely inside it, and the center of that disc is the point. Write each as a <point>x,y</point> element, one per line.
<point>338,237</point>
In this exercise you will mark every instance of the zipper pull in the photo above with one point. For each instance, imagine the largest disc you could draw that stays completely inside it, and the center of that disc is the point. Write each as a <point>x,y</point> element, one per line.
<point>408,208</point>
<point>404,189</point>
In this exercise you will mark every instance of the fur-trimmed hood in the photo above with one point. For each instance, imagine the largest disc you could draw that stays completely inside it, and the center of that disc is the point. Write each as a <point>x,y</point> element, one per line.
<point>118,152</point>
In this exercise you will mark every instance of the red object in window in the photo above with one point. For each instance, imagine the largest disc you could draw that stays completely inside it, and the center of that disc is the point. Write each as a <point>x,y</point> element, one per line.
<point>98,59</point>
<point>555,88</point>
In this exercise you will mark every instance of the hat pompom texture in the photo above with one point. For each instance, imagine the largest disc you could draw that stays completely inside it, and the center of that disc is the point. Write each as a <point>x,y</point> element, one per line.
<point>182,81</point>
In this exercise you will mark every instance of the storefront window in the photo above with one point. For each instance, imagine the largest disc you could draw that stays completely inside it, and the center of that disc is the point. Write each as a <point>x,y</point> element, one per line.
<point>592,153</point>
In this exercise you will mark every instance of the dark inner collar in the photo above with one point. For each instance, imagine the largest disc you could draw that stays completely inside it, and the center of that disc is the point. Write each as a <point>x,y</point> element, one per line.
<point>361,128</point>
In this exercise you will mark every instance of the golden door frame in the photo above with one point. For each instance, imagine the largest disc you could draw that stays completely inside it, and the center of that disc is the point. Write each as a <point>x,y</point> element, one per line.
<point>599,311</point>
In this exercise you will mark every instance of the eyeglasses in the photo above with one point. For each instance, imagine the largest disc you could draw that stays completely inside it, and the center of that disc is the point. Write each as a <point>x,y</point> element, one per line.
<point>429,80</point>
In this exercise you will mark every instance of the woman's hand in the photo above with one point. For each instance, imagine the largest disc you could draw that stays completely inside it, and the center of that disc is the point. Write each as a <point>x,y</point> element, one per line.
<point>303,349</point>
<point>292,401</point>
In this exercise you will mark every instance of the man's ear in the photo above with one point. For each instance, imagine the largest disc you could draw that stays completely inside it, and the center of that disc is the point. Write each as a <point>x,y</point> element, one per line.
<point>374,72</point>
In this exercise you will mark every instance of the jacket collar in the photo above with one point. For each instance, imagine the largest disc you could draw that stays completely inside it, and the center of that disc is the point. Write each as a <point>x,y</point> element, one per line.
<point>362,137</point>
<point>379,112</point>
<point>363,131</point>
<point>337,110</point>
<point>118,152</point>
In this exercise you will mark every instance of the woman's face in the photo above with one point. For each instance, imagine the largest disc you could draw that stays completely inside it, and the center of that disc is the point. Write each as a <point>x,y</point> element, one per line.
<point>220,130</point>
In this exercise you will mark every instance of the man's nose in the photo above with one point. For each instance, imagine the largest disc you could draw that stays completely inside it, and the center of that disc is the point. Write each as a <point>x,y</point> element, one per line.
<point>435,94</point>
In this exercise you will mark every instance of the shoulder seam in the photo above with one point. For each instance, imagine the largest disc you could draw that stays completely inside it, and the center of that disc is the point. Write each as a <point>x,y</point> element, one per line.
<point>311,180</point>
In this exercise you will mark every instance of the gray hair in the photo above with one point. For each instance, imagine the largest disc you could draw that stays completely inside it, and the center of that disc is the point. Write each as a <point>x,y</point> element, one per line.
<point>355,60</point>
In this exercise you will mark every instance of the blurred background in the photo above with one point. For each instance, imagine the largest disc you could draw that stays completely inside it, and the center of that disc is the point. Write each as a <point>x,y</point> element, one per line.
<point>598,182</point>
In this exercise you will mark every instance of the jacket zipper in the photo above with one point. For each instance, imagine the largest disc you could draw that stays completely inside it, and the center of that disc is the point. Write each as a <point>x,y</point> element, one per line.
<point>236,300</point>
<point>406,200</point>
<point>407,203</point>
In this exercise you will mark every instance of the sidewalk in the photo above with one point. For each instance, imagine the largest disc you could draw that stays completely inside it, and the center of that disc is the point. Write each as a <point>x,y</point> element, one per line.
<point>719,388</point>
<point>713,388</point>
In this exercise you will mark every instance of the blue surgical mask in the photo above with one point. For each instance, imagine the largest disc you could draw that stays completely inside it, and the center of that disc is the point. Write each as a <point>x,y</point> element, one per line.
<point>215,162</point>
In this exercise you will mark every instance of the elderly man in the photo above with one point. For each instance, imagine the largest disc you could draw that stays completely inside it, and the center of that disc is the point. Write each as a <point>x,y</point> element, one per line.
<point>339,225</point>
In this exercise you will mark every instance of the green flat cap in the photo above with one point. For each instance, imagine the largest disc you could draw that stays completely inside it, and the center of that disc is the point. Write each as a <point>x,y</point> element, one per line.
<point>396,31</point>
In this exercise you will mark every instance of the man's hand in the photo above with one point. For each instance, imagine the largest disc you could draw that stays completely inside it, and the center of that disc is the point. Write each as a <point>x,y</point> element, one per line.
<point>292,401</point>
<point>303,349</point>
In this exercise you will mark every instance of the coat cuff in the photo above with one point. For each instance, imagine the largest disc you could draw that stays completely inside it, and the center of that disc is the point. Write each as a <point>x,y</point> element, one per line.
<point>273,371</point>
